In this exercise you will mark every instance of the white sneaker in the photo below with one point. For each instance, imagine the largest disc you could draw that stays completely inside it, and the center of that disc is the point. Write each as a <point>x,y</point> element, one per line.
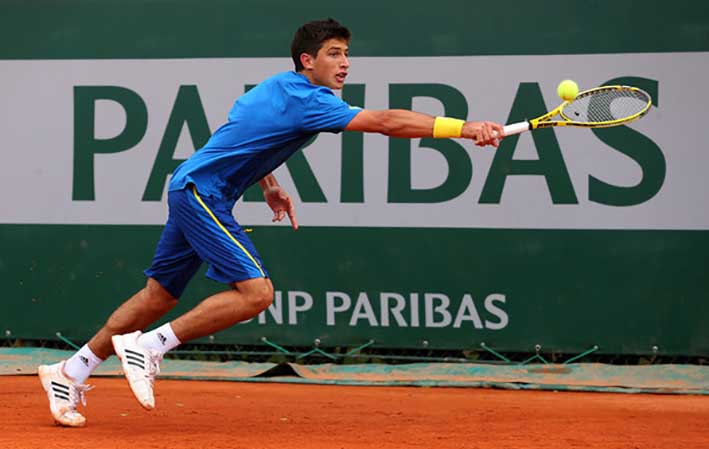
<point>140,366</point>
<point>64,394</point>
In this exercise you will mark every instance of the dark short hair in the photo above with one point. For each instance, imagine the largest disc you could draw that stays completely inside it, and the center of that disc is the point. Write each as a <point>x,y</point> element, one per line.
<point>310,37</point>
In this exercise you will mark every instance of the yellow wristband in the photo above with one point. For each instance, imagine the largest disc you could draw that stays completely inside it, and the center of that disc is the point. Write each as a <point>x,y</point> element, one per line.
<point>445,127</point>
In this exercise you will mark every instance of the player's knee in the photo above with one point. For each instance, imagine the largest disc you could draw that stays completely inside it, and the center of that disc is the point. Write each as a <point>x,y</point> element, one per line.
<point>259,294</point>
<point>158,296</point>
<point>263,298</point>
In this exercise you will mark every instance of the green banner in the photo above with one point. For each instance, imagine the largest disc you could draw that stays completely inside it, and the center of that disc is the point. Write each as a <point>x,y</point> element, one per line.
<point>89,29</point>
<point>624,291</point>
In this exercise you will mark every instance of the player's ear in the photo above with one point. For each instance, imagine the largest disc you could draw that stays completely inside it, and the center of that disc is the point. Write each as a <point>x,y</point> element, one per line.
<point>307,60</point>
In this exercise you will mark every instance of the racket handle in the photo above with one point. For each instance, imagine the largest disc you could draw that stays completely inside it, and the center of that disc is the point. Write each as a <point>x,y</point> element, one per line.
<point>516,128</point>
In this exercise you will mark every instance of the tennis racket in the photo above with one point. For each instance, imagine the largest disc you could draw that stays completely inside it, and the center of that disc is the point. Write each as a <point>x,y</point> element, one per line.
<point>601,107</point>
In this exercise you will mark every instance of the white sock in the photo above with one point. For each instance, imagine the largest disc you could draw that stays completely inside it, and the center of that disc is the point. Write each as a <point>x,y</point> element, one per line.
<point>80,366</point>
<point>161,339</point>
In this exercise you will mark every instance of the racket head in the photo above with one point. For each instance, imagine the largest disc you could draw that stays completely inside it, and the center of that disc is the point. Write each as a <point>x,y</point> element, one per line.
<point>606,106</point>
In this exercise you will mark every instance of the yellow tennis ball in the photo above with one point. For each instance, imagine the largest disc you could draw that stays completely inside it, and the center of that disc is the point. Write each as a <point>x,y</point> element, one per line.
<point>567,90</point>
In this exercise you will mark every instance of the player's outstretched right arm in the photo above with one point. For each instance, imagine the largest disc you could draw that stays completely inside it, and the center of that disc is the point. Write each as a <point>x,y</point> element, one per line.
<point>410,124</point>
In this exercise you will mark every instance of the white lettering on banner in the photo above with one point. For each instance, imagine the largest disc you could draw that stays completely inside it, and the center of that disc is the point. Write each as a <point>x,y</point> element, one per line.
<point>495,310</point>
<point>332,309</point>
<point>395,311</point>
<point>433,310</point>
<point>116,128</point>
<point>414,300</point>
<point>294,307</point>
<point>467,311</point>
<point>438,310</point>
<point>363,309</point>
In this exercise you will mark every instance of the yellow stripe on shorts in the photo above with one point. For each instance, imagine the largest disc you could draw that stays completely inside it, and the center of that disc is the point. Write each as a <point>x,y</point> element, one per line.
<point>226,231</point>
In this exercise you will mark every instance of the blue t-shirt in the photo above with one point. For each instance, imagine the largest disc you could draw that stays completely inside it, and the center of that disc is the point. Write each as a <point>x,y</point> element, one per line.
<point>265,127</point>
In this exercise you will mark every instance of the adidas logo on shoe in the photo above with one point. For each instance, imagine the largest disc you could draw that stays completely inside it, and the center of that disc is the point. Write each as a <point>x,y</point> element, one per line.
<point>135,359</point>
<point>60,391</point>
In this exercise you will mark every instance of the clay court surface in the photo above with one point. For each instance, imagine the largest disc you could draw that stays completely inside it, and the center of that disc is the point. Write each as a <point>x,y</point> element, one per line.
<point>198,414</point>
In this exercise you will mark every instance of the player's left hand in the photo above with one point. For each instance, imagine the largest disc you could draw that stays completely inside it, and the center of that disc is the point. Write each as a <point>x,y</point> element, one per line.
<point>281,204</point>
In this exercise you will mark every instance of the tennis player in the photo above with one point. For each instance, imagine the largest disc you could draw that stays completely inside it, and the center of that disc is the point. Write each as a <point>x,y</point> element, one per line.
<point>265,127</point>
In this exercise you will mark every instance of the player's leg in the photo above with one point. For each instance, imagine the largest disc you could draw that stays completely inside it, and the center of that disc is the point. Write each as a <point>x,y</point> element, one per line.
<point>174,264</point>
<point>213,233</point>
<point>221,311</point>
<point>141,353</point>
<point>138,312</point>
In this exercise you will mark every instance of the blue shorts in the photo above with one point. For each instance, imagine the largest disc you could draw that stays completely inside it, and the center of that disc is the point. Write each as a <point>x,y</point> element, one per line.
<point>202,229</point>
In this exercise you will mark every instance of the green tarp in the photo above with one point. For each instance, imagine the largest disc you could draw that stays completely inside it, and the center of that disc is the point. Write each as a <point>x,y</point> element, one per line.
<point>668,379</point>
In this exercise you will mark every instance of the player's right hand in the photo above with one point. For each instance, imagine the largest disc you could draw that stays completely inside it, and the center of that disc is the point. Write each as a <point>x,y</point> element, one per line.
<point>483,133</point>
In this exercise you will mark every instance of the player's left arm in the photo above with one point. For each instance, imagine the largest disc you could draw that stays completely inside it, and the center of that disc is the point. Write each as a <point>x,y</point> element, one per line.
<point>278,200</point>
<point>410,124</point>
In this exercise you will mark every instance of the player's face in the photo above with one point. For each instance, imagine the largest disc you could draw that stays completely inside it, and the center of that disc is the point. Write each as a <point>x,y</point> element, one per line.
<point>329,68</point>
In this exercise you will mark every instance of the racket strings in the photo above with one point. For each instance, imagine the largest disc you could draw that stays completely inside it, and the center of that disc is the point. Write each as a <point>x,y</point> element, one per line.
<point>606,105</point>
